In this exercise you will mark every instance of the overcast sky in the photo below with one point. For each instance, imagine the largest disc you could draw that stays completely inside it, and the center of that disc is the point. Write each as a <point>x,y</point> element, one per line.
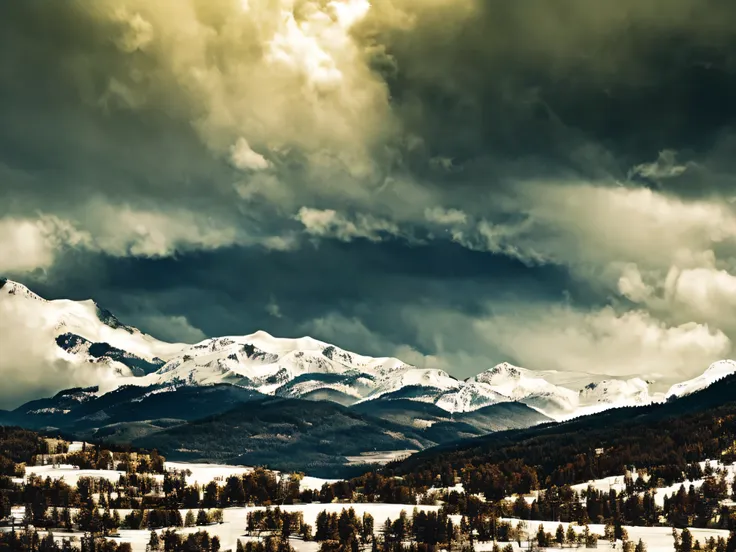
<point>453,182</point>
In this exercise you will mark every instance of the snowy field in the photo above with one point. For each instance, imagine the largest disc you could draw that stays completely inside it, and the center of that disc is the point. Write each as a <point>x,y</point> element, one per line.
<point>75,446</point>
<point>201,473</point>
<point>657,539</point>
<point>235,519</point>
<point>617,483</point>
<point>204,473</point>
<point>71,474</point>
<point>379,457</point>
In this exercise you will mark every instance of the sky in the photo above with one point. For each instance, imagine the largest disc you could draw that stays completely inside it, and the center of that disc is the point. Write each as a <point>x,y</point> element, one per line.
<point>453,182</point>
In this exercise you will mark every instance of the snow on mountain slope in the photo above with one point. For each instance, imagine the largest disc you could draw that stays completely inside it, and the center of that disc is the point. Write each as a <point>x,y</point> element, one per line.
<point>520,384</point>
<point>556,401</point>
<point>715,371</point>
<point>617,393</point>
<point>83,318</point>
<point>471,395</point>
<point>266,363</point>
<point>413,377</point>
<point>82,333</point>
<point>613,393</point>
<point>48,346</point>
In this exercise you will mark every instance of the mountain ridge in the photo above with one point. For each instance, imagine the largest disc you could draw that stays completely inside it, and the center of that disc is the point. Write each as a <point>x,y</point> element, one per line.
<point>84,334</point>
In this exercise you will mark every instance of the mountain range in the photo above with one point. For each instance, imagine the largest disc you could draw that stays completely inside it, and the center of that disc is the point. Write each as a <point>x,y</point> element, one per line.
<point>146,387</point>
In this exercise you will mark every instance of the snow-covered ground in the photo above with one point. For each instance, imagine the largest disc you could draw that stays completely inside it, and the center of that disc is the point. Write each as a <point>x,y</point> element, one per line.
<point>235,520</point>
<point>201,473</point>
<point>204,473</point>
<point>614,482</point>
<point>657,539</point>
<point>76,446</point>
<point>71,474</point>
<point>617,482</point>
<point>379,457</point>
<point>314,483</point>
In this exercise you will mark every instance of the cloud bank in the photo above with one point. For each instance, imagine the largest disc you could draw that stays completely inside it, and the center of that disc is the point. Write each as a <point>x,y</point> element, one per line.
<point>453,181</point>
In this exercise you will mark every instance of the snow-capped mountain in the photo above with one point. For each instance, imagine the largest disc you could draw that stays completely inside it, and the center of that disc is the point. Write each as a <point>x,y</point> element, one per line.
<point>613,393</point>
<point>715,371</point>
<point>80,334</point>
<point>267,364</point>
<point>522,385</point>
<point>84,334</point>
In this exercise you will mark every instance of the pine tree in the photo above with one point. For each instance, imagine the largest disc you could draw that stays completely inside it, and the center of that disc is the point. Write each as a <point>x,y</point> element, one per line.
<point>201,517</point>
<point>520,528</point>
<point>560,535</point>
<point>367,533</point>
<point>541,537</point>
<point>116,518</point>
<point>686,540</point>
<point>154,542</point>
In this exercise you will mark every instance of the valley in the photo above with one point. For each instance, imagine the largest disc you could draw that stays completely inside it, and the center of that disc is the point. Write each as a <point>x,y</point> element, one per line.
<point>259,444</point>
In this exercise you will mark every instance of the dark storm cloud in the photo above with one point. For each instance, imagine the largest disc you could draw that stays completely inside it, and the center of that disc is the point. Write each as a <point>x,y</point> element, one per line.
<point>229,290</point>
<point>546,80</point>
<point>454,181</point>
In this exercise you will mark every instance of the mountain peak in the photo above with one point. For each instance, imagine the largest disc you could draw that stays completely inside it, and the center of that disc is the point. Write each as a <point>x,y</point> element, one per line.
<point>86,335</point>
<point>615,391</point>
<point>10,287</point>
<point>714,372</point>
<point>501,372</point>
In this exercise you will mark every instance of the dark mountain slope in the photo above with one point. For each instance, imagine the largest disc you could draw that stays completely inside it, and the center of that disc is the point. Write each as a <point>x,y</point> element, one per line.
<point>82,412</point>
<point>695,427</point>
<point>285,434</point>
<point>104,351</point>
<point>224,422</point>
<point>445,426</point>
<point>502,416</point>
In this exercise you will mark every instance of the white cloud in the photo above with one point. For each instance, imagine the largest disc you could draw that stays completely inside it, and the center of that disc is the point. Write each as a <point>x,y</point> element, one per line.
<point>664,167</point>
<point>120,231</point>
<point>293,76</point>
<point>244,158</point>
<point>632,286</point>
<point>27,244</point>
<point>124,231</point>
<point>607,342</point>
<point>352,334</point>
<point>273,308</point>
<point>38,370</point>
<point>328,223</point>
<point>24,246</point>
<point>598,231</point>
<point>703,293</point>
<point>446,217</point>
<point>136,33</point>
<point>588,224</point>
